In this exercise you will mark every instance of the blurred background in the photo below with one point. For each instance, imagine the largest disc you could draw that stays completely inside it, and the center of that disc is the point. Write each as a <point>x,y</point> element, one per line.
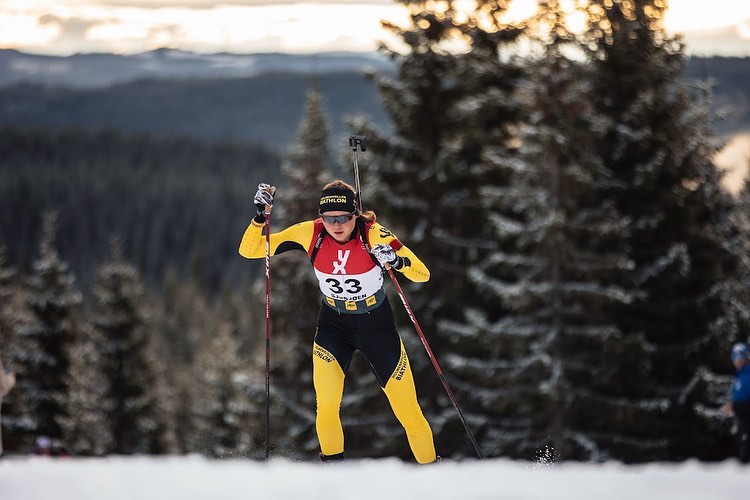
<point>573,172</point>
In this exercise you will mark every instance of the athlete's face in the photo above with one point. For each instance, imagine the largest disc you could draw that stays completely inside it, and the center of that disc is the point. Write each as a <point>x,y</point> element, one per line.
<point>340,231</point>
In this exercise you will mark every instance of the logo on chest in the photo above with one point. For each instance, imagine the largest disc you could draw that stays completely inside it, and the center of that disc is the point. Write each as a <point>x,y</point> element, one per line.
<point>339,266</point>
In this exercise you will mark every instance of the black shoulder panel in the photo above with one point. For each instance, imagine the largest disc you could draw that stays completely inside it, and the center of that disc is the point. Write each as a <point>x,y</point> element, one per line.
<point>289,245</point>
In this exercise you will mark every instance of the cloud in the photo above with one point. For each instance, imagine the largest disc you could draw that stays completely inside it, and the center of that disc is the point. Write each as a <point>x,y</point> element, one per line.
<point>71,31</point>
<point>304,27</point>
<point>64,27</point>
<point>209,4</point>
<point>71,28</point>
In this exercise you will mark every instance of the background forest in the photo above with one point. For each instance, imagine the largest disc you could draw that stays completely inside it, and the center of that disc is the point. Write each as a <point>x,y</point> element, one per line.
<point>589,269</point>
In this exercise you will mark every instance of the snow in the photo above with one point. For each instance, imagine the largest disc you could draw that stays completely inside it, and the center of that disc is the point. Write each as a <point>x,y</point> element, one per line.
<point>194,478</point>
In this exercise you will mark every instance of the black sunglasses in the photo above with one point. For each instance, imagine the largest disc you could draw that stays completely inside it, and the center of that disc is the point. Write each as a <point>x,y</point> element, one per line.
<point>333,219</point>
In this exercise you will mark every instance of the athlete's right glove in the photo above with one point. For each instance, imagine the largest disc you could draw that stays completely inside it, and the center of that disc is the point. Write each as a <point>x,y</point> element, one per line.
<point>263,197</point>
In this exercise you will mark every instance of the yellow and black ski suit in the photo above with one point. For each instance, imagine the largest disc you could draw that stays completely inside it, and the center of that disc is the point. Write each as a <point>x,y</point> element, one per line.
<point>355,314</point>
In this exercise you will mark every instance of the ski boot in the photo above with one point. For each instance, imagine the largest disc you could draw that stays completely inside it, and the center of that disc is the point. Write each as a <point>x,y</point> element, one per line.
<point>332,459</point>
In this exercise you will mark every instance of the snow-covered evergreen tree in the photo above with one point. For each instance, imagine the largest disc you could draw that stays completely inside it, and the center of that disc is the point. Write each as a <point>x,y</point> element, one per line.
<point>15,315</point>
<point>737,290</point>
<point>425,180</point>
<point>404,181</point>
<point>48,324</point>
<point>658,147</point>
<point>86,428</point>
<point>741,219</point>
<point>243,311</point>
<point>295,294</point>
<point>7,275</point>
<point>549,293</point>
<point>740,246</point>
<point>226,421</point>
<point>308,167</point>
<point>184,319</point>
<point>141,418</point>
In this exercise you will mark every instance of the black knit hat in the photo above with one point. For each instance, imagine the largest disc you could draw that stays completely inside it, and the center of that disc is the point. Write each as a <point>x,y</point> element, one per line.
<point>337,199</point>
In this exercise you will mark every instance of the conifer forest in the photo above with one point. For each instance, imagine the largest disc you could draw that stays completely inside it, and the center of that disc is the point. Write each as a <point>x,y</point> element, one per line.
<point>589,271</point>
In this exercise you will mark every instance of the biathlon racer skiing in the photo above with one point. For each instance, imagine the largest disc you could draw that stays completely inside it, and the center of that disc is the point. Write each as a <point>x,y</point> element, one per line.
<point>355,312</point>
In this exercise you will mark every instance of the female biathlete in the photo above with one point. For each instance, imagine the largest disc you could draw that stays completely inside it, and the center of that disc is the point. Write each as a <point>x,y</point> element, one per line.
<point>355,312</point>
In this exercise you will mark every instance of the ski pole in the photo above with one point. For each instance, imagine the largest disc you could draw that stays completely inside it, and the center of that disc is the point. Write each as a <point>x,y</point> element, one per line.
<point>271,190</point>
<point>435,363</point>
<point>357,141</point>
<point>354,142</point>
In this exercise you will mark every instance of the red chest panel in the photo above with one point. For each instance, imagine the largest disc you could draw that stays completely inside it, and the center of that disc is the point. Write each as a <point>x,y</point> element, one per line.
<point>340,258</point>
<point>345,271</point>
<point>347,258</point>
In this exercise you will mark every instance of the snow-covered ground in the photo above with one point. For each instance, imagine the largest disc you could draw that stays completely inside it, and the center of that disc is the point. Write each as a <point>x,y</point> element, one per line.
<point>194,478</point>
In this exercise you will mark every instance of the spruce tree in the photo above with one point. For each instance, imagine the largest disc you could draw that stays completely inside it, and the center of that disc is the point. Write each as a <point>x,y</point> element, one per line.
<point>242,309</point>
<point>658,147</point>
<point>404,180</point>
<point>15,317</point>
<point>740,246</point>
<point>308,167</point>
<point>737,294</point>
<point>426,181</point>
<point>184,319</point>
<point>86,429</point>
<point>7,275</point>
<point>296,296</point>
<point>141,418</point>
<point>226,422</point>
<point>549,292</point>
<point>50,325</point>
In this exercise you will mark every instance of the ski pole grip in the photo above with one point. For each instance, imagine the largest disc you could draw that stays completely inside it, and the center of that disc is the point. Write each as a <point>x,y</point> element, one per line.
<point>272,191</point>
<point>358,140</point>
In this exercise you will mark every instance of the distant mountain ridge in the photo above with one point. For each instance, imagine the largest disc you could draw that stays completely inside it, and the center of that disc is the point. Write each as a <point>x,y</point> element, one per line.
<point>264,109</point>
<point>248,97</point>
<point>86,71</point>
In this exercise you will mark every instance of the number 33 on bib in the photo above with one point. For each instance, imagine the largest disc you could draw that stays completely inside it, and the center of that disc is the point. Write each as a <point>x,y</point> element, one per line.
<point>346,272</point>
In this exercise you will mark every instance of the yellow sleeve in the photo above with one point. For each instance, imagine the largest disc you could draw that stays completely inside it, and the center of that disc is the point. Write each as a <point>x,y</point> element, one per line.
<point>414,269</point>
<point>296,237</point>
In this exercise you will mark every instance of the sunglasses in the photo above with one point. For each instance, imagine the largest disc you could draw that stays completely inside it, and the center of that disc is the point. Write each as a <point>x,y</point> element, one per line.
<point>333,219</point>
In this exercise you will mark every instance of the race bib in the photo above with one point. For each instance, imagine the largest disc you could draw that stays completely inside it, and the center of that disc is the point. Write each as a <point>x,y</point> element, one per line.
<point>350,287</point>
<point>346,271</point>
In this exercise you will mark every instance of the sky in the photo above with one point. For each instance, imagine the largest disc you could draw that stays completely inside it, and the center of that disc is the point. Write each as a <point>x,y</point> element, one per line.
<point>195,478</point>
<point>64,27</point>
<point>734,159</point>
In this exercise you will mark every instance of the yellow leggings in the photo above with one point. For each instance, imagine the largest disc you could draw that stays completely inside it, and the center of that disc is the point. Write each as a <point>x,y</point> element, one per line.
<point>328,379</point>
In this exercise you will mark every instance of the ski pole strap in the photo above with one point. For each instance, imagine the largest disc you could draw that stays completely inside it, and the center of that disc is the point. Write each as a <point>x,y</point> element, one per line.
<point>356,307</point>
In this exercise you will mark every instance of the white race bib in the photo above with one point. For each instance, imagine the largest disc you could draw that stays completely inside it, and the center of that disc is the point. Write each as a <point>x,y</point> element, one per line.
<point>350,287</point>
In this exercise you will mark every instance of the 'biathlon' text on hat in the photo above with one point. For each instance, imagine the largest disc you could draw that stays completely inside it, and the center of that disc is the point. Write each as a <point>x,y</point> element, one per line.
<point>337,199</point>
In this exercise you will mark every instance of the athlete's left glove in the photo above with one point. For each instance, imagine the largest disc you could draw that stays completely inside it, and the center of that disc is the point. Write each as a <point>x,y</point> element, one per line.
<point>386,255</point>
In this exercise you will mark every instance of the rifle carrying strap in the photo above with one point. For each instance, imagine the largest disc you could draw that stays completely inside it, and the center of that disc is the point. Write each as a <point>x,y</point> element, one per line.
<point>363,229</point>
